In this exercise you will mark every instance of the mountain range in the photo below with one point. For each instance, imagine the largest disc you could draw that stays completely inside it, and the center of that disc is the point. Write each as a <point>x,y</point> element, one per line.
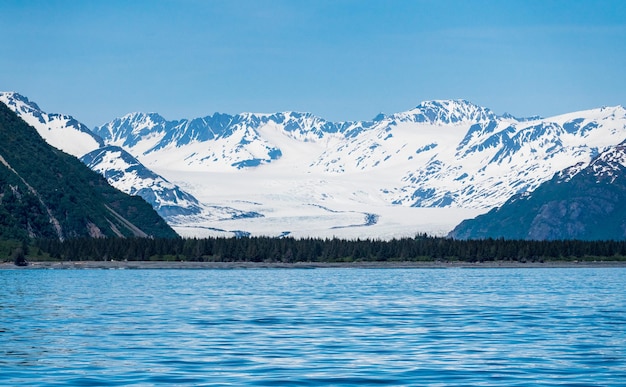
<point>289,173</point>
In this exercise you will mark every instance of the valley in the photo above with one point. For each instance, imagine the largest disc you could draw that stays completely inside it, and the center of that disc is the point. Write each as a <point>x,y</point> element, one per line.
<point>322,206</point>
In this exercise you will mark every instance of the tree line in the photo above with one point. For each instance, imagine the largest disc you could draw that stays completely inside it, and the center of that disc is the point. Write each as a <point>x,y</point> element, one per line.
<point>267,249</point>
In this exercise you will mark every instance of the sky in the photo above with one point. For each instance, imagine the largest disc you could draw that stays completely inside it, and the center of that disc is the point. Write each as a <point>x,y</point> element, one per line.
<point>341,60</point>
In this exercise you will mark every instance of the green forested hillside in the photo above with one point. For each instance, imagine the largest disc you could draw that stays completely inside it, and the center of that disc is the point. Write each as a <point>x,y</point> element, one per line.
<point>45,193</point>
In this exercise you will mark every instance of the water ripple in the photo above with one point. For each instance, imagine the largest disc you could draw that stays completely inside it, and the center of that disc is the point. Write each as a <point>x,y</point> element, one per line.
<point>481,327</point>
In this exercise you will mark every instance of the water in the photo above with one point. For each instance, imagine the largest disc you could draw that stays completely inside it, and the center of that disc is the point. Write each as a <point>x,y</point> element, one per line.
<point>491,327</point>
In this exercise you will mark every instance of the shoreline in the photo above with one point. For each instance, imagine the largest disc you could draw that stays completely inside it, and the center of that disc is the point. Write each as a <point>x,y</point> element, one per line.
<point>188,265</point>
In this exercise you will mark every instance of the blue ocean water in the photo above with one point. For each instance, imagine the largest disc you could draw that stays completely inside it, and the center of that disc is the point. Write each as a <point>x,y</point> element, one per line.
<point>474,327</point>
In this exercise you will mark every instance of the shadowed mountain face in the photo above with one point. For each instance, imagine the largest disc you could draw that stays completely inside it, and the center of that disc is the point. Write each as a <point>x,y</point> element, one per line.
<point>580,202</point>
<point>46,193</point>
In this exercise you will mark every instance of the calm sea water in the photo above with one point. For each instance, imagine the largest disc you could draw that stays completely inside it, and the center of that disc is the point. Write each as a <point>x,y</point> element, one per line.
<point>491,327</point>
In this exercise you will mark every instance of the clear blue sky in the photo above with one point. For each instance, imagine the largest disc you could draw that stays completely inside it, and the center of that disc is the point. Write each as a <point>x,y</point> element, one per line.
<point>339,59</point>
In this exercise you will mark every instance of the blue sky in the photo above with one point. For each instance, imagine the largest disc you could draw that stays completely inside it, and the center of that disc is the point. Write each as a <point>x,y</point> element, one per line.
<point>339,59</point>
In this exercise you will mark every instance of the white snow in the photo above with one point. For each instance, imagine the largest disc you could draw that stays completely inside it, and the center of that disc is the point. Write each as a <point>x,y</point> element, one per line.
<point>54,128</point>
<point>449,154</point>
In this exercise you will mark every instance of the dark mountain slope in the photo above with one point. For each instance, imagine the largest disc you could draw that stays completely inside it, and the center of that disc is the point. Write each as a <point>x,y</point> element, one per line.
<point>45,193</point>
<point>580,202</point>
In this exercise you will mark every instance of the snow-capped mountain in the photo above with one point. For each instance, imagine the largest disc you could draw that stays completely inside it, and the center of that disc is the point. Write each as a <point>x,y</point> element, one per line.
<point>61,131</point>
<point>289,173</point>
<point>214,143</point>
<point>244,140</point>
<point>500,157</point>
<point>298,169</point>
<point>127,174</point>
<point>584,201</point>
<point>121,170</point>
<point>441,153</point>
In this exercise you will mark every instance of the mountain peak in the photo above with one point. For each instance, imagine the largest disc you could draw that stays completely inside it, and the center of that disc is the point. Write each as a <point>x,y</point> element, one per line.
<point>142,117</point>
<point>59,130</point>
<point>131,126</point>
<point>11,98</point>
<point>448,111</point>
<point>14,95</point>
<point>509,116</point>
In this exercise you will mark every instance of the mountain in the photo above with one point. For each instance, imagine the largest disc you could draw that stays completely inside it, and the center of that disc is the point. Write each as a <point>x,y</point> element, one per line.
<point>581,202</point>
<point>223,142</point>
<point>290,173</point>
<point>61,131</point>
<point>46,193</point>
<point>126,174</point>
<point>443,153</point>
<point>299,170</point>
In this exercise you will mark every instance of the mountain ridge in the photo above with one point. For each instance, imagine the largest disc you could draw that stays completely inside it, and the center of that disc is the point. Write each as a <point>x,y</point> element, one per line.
<point>46,193</point>
<point>447,154</point>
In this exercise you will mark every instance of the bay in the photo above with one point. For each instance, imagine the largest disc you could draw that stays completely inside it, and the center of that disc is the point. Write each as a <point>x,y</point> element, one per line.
<point>490,327</point>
